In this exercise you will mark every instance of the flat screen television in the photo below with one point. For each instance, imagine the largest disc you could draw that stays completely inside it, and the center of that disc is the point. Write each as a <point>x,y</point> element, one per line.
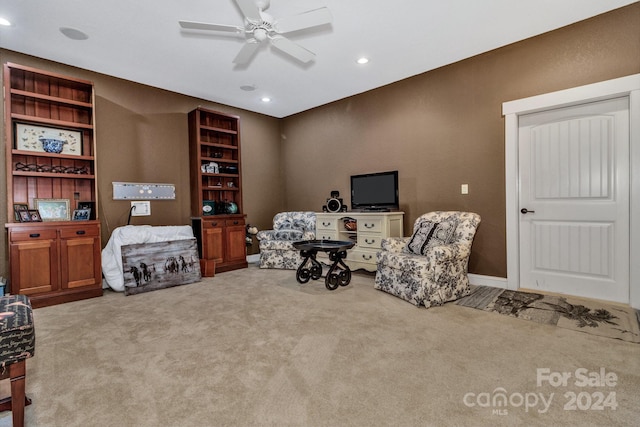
<point>375,191</point>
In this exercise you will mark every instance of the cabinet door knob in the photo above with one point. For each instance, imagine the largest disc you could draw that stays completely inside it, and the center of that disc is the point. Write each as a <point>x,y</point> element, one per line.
<point>369,225</point>
<point>80,232</point>
<point>34,235</point>
<point>367,257</point>
<point>326,224</point>
<point>235,222</point>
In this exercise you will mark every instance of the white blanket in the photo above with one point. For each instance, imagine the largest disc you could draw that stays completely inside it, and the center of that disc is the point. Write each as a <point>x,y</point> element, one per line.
<point>132,234</point>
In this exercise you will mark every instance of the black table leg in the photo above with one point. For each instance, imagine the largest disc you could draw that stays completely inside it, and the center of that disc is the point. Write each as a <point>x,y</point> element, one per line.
<point>339,274</point>
<point>313,272</point>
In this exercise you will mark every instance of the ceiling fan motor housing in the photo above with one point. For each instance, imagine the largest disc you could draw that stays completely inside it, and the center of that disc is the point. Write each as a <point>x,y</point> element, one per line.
<point>263,4</point>
<point>260,26</point>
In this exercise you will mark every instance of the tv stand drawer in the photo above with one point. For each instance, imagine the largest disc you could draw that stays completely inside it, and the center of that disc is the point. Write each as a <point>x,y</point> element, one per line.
<point>372,228</point>
<point>370,225</point>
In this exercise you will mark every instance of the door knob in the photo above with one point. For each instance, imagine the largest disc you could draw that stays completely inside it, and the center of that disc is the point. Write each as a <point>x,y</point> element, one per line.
<point>525,211</point>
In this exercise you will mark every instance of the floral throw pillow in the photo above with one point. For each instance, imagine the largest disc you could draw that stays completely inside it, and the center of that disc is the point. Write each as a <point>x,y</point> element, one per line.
<point>430,234</point>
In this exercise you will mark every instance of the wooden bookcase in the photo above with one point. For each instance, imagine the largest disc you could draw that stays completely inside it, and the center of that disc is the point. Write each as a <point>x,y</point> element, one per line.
<point>216,190</point>
<point>52,261</point>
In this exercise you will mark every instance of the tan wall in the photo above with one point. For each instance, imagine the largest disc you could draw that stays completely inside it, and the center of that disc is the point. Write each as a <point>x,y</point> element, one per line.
<point>444,128</point>
<point>439,129</point>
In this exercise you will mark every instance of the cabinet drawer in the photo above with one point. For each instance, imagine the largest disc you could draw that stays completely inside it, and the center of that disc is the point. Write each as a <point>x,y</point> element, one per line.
<point>370,225</point>
<point>372,241</point>
<point>213,224</point>
<point>361,255</point>
<point>72,232</point>
<point>233,222</point>
<point>33,234</point>
<point>327,224</point>
<point>326,235</point>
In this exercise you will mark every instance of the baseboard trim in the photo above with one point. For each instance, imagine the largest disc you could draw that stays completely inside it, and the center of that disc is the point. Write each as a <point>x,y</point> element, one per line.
<point>253,258</point>
<point>480,280</point>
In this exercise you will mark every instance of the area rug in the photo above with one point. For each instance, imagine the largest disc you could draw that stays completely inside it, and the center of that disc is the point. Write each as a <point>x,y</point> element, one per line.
<point>578,314</point>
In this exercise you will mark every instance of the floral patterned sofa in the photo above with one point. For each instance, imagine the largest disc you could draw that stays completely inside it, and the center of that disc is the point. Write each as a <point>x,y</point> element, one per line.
<point>430,267</point>
<point>276,246</point>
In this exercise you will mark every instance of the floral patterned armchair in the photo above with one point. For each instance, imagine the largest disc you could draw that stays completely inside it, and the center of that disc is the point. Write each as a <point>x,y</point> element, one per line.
<point>430,267</point>
<point>276,246</point>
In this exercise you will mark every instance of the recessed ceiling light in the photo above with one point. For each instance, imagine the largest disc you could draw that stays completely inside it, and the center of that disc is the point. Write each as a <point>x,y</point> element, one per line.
<point>5,22</point>
<point>265,99</point>
<point>362,60</point>
<point>73,33</point>
<point>248,88</point>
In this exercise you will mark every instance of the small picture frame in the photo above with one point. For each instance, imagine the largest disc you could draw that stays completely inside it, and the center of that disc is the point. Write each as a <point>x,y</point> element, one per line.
<point>53,209</point>
<point>88,205</point>
<point>81,215</point>
<point>17,208</point>
<point>34,215</point>
<point>24,216</point>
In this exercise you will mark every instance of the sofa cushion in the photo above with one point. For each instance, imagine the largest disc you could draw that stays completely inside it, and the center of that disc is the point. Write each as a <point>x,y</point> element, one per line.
<point>429,234</point>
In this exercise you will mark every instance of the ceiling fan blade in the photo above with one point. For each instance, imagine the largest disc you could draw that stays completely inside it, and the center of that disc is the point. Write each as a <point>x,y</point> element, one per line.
<point>249,10</point>
<point>191,25</point>
<point>247,52</point>
<point>293,49</point>
<point>309,19</point>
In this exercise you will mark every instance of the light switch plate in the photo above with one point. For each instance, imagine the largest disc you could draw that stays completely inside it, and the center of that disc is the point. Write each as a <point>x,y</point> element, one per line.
<point>464,189</point>
<point>141,208</point>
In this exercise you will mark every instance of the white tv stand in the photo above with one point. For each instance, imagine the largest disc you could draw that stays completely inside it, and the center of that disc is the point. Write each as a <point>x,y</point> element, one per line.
<point>372,228</point>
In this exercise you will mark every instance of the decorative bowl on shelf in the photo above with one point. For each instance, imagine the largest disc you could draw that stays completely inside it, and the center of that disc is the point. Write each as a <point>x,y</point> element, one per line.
<point>52,145</point>
<point>350,224</point>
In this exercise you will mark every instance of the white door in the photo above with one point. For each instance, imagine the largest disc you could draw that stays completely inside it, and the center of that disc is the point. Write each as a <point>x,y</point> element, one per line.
<point>574,200</point>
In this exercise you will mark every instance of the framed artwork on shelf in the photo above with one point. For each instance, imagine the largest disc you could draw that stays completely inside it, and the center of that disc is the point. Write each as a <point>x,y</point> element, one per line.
<point>81,214</point>
<point>53,209</point>
<point>19,207</point>
<point>34,215</point>
<point>45,139</point>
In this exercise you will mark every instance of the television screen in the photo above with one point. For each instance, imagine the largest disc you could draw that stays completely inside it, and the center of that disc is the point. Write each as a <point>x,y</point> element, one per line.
<point>375,191</point>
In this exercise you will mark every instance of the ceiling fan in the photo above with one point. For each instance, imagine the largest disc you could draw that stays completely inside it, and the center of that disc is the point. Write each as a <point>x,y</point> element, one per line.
<point>260,26</point>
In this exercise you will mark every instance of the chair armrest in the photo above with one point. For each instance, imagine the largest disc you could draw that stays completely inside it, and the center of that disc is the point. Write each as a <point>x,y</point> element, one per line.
<point>265,235</point>
<point>308,235</point>
<point>287,235</point>
<point>448,253</point>
<point>394,244</point>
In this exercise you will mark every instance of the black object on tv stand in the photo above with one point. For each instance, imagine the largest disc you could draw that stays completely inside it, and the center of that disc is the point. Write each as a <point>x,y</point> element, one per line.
<point>376,209</point>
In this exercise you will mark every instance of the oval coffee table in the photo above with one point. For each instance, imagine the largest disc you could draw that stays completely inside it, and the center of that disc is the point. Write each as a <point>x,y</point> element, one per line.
<point>339,273</point>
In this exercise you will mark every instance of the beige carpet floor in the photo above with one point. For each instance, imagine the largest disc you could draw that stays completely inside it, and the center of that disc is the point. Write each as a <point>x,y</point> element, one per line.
<point>253,348</point>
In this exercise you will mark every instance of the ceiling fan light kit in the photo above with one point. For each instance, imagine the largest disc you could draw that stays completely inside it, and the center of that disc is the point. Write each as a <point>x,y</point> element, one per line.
<point>260,26</point>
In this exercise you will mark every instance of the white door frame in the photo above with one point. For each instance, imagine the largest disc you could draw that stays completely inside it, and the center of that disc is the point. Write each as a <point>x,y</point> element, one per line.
<point>624,86</point>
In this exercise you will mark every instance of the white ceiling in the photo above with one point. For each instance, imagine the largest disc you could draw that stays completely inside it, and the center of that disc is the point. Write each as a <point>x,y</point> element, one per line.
<point>141,41</point>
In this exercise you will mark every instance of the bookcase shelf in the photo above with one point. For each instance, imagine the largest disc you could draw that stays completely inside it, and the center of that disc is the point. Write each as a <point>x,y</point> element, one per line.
<point>216,196</point>
<point>66,253</point>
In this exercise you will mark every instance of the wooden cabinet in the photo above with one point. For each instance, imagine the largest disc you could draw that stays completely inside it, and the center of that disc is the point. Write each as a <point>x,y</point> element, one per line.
<point>57,261</point>
<point>371,228</point>
<point>221,243</point>
<point>216,190</point>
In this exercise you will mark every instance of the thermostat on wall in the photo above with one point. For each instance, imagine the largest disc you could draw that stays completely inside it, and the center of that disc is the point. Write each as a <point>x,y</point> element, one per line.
<point>137,191</point>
